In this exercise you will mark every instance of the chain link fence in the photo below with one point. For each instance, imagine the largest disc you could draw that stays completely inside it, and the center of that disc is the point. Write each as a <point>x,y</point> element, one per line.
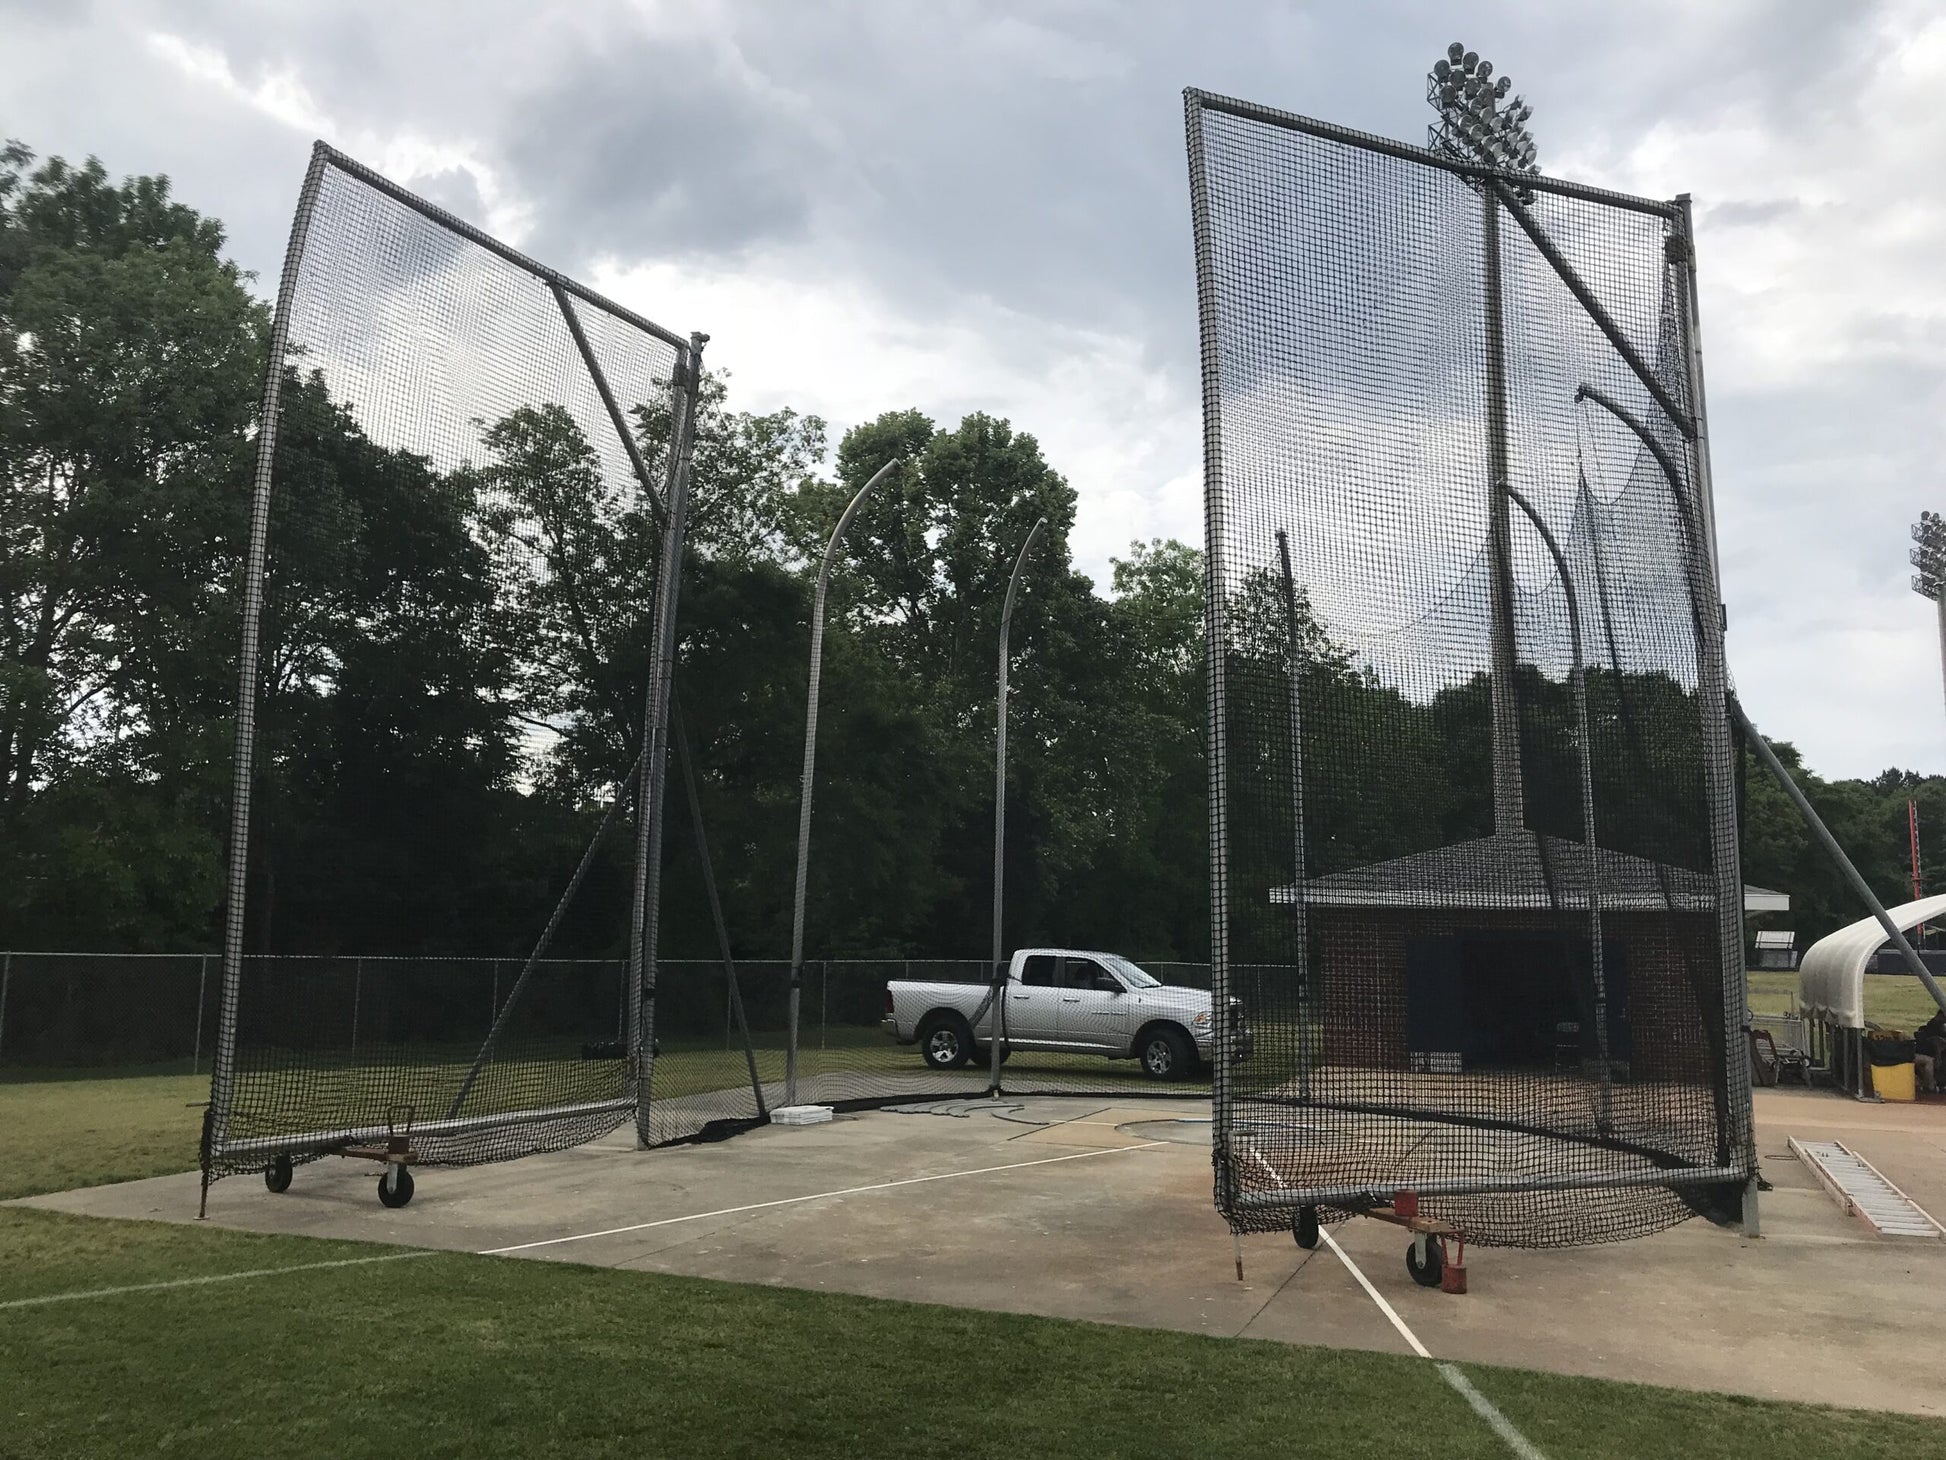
<point>157,1011</point>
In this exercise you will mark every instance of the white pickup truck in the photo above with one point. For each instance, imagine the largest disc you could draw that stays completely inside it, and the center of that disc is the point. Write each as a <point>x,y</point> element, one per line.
<point>1067,1001</point>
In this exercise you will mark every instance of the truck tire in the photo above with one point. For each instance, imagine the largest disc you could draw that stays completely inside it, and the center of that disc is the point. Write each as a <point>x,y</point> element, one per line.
<point>945,1041</point>
<point>1165,1053</point>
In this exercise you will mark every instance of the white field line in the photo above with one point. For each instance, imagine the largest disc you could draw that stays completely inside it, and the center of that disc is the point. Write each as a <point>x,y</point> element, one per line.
<point>1461,1385</point>
<point>208,1278</point>
<point>1485,1408</point>
<point>1377,1297</point>
<point>231,1277</point>
<point>815,1196</point>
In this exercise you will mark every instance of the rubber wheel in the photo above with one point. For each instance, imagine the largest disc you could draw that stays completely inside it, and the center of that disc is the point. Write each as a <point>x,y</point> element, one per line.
<point>1167,1055</point>
<point>1304,1227</point>
<point>1426,1276</point>
<point>277,1175</point>
<point>944,1044</point>
<point>389,1197</point>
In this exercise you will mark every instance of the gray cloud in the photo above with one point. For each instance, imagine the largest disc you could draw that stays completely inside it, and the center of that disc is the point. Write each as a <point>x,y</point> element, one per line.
<point>990,201</point>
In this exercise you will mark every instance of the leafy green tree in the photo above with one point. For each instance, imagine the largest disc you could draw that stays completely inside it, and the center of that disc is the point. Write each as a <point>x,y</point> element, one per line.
<point>129,354</point>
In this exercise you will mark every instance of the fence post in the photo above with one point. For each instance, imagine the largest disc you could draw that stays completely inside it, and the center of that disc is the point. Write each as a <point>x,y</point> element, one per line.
<point>202,983</point>
<point>493,1012</point>
<point>357,990</point>
<point>6,976</point>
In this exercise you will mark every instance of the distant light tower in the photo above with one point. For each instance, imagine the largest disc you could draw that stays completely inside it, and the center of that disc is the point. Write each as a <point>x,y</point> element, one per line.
<point>1475,127</point>
<point>1929,557</point>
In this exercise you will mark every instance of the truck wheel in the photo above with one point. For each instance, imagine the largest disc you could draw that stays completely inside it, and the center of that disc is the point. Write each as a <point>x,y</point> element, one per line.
<point>1166,1054</point>
<point>945,1042</point>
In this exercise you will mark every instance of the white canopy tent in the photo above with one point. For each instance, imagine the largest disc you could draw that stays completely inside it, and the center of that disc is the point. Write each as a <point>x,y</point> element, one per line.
<point>1831,979</point>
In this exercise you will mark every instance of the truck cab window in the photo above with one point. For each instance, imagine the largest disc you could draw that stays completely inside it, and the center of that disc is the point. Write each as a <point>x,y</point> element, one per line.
<point>1081,973</point>
<point>1038,971</point>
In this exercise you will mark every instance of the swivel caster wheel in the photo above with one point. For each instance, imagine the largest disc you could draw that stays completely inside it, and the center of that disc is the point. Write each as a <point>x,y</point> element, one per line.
<point>1426,1273</point>
<point>277,1175</point>
<point>395,1187</point>
<point>1304,1227</point>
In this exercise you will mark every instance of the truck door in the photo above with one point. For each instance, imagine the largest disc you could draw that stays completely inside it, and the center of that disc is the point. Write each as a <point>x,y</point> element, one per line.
<point>1095,1008</point>
<point>1033,1002</point>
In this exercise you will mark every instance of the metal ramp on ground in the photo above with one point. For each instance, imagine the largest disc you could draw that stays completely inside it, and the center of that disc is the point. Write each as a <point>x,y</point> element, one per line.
<point>1860,1188</point>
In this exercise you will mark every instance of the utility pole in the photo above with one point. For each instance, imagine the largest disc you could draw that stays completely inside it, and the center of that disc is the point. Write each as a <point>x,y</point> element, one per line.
<point>1475,127</point>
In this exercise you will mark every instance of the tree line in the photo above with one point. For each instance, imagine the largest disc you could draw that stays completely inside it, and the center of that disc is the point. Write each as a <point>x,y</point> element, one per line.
<point>453,664</point>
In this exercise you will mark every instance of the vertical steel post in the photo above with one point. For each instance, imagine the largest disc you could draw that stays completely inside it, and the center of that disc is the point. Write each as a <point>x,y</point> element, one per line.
<point>223,1070</point>
<point>1940,604</point>
<point>1712,688</point>
<point>357,995</point>
<point>1509,813</point>
<point>997,1003</point>
<point>646,925</point>
<point>1294,669</point>
<point>1216,638</point>
<point>6,978</point>
<point>805,779</point>
<point>202,984</point>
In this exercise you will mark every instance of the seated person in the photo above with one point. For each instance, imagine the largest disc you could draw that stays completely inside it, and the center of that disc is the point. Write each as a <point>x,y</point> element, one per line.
<point>1929,1051</point>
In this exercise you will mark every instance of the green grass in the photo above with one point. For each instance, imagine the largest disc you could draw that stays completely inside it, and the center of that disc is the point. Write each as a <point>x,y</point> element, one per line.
<point>452,1355</point>
<point>58,1131</point>
<point>1896,1001</point>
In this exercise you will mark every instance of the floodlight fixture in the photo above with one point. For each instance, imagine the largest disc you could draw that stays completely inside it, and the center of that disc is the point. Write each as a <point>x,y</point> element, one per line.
<point>1473,126</point>
<point>1929,556</point>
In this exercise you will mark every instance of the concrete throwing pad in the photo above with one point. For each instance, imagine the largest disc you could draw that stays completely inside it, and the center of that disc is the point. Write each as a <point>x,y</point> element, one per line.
<point>1101,1210</point>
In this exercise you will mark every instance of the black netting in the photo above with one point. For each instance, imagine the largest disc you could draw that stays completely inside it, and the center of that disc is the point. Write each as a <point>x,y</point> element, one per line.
<point>853,1055</point>
<point>447,492</point>
<point>1449,991</point>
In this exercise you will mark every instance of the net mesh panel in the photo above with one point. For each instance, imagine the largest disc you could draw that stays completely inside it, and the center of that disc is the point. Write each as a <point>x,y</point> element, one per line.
<point>1417,964</point>
<point>445,473</point>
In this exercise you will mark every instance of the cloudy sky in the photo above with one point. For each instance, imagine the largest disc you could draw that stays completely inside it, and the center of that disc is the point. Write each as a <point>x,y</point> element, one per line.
<point>878,203</point>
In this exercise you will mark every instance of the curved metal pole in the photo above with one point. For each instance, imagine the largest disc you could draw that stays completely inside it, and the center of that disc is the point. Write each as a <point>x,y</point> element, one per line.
<point>1685,510</point>
<point>1712,693</point>
<point>1586,757</point>
<point>810,760</point>
<point>1294,653</point>
<point>996,1002</point>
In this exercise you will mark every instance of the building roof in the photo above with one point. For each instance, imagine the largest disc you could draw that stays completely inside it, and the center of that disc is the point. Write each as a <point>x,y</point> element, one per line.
<point>1831,979</point>
<point>1513,871</point>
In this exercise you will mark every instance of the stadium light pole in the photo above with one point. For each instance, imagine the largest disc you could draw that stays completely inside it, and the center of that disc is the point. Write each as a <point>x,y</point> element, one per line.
<point>1929,557</point>
<point>997,1005</point>
<point>810,761</point>
<point>1480,124</point>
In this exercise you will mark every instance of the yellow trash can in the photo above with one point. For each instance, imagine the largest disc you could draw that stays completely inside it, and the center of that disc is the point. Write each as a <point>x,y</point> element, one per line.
<point>1890,1055</point>
<point>1894,1082</point>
